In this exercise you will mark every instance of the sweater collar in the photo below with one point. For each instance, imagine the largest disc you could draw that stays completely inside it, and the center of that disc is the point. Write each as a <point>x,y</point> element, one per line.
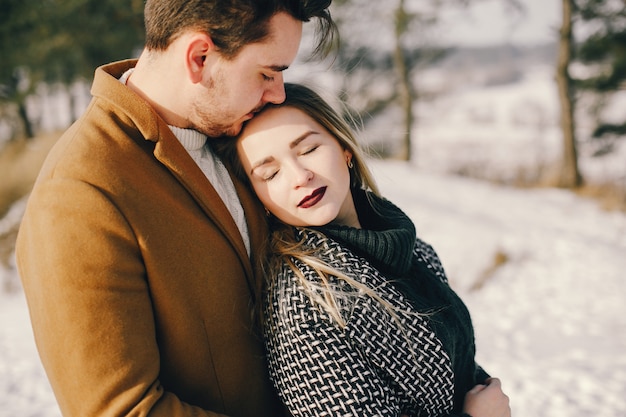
<point>192,140</point>
<point>387,237</point>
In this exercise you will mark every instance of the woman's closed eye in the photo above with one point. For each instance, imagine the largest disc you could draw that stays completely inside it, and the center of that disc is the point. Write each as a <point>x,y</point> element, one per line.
<point>269,176</point>
<point>309,150</point>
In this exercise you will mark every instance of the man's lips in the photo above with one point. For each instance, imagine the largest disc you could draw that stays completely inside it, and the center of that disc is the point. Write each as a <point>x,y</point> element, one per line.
<point>313,198</point>
<point>255,111</point>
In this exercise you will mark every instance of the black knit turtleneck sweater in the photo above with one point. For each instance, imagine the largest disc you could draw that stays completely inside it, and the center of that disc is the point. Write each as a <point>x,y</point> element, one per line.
<point>387,240</point>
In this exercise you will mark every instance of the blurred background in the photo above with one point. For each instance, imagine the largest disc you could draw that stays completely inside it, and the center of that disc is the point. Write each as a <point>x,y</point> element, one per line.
<point>554,69</point>
<point>515,94</point>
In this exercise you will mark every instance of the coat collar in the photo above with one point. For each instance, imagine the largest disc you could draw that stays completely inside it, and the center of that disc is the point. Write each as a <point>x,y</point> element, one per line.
<point>170,152</point>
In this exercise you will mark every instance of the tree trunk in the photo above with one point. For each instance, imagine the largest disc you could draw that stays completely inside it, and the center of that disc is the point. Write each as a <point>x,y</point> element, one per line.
<point>569,175</point>
<point>26,123</point>
<point>404,84</point>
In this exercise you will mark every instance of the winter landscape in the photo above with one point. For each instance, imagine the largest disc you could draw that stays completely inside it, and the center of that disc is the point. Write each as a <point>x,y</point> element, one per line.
<point>541,269</point>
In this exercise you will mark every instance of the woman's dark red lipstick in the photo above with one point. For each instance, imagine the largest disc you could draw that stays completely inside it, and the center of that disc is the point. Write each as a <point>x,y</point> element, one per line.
<point>313,198</point>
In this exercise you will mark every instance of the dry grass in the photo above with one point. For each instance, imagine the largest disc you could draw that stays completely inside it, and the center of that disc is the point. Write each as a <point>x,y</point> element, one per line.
<point>500,258</point>
<point>611,196</point>
<point>20,162</point>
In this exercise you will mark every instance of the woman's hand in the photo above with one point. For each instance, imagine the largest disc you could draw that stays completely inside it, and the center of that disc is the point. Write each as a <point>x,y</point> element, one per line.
<point>487,400</point>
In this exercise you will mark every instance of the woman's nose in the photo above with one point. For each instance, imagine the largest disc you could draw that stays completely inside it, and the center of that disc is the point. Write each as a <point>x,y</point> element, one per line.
<point>302,175</point>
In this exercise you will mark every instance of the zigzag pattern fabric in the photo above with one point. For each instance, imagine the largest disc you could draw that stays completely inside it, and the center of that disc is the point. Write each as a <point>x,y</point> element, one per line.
<point>377,365</point>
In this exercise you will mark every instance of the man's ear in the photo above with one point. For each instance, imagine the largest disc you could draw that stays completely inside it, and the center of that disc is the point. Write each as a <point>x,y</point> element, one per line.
<point>199,47</point>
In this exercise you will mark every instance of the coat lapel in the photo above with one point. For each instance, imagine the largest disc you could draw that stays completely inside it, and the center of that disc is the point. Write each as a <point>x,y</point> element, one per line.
<point>257,228</point>
<point>169,151</point>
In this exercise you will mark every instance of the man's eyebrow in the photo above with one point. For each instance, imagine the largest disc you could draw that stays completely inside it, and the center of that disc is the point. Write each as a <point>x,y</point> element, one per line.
<point>276,68</point>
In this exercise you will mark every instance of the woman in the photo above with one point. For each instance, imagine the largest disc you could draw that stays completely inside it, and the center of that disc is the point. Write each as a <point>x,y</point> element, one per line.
<point>359,319</point>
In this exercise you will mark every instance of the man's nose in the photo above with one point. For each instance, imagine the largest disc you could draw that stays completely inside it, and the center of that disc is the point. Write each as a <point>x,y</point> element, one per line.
<point>276,90</point>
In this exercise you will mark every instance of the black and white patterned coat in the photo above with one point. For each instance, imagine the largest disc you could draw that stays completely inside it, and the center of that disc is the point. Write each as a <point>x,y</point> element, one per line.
<point>374,366</point>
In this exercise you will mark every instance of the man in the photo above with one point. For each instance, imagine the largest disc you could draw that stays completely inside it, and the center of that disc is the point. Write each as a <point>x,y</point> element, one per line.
<point>137,250</point>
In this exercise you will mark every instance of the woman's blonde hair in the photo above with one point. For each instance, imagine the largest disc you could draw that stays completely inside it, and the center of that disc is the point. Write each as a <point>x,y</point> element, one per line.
<point>284,247</point>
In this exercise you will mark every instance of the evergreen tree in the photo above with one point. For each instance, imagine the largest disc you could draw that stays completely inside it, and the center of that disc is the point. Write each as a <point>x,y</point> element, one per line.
<point>604,49</point>
<point>60,42</point>
<point>19,66</point>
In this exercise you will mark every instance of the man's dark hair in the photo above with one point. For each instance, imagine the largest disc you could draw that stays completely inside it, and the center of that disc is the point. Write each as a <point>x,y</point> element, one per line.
<point>232,24</point>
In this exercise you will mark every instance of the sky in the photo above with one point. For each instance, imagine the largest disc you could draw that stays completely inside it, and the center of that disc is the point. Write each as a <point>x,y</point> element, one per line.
<point>491,22</point>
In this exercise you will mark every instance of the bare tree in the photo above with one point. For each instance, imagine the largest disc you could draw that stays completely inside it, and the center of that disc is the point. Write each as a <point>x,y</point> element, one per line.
<point>405,90</point>
<point>380,53</point>
<point>569,174</point>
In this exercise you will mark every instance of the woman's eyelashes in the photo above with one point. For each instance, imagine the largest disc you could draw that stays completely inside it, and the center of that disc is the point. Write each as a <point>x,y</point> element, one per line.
<point>309,150</point>
<point>269,174</point>
<point>270,177</point>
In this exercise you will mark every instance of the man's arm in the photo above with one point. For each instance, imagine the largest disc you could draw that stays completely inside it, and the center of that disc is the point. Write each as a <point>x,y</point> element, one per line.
<point>91,312</point>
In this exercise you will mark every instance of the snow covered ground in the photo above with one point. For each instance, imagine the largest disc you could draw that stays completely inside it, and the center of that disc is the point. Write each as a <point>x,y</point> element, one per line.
<point>550,321</point>
<point>541,270</point>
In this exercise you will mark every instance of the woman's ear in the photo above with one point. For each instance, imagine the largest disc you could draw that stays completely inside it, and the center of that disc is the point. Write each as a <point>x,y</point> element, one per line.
<point>200,48</point>
<point>348,156</point>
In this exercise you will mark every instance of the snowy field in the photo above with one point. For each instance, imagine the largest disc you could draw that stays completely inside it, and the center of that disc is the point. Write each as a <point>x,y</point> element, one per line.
<point>550,321</point>
<point>541,270</point>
